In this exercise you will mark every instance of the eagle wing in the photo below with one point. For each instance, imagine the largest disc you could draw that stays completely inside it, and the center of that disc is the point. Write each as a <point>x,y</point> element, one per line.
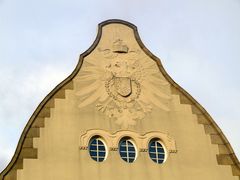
<point>91,81</point>
<point>153,86</point>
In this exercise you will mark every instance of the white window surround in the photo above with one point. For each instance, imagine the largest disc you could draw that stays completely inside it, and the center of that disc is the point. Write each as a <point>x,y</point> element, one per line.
<point>156,149</point>
<point>98,151</point>
<point>128,150</point>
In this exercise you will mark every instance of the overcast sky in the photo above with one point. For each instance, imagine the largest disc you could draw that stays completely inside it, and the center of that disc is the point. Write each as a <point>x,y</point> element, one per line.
<point>40,42</point>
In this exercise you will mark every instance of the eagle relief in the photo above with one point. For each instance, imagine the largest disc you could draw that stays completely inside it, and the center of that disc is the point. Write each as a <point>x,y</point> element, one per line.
<point>123,84</point>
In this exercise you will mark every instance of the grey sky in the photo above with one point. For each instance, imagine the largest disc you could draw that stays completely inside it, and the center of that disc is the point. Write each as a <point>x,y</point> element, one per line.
<point>40,41</point>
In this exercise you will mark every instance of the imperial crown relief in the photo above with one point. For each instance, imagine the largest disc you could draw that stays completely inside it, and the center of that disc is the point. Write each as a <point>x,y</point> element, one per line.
<point>123,84</point>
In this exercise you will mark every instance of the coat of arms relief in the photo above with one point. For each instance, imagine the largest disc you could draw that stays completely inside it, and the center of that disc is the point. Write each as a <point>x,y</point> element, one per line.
<point>123,84</point>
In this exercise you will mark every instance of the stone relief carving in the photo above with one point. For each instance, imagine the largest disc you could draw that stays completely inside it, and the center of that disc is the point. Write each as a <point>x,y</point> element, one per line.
<point>117,48</point>
<point>123,83</point>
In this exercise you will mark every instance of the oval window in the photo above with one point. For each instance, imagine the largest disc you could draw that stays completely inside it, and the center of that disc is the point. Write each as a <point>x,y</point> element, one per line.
<point>127,150</point>
<point>97,149</point>
<point>157,151</point>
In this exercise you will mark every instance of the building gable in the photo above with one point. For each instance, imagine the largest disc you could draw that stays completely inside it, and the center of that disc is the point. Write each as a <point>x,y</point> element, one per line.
<point>120,91</point>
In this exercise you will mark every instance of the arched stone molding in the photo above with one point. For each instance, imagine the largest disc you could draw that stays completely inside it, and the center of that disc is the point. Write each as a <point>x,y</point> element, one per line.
<point>141,140</point>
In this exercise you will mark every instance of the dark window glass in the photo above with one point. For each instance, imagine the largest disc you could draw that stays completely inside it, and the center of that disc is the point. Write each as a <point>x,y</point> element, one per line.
<point>97,149</point>
<point>156,151</point>
<point>127,150</point>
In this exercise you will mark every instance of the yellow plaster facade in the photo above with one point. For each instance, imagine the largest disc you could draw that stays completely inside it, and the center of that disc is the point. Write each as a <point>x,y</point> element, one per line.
<point>119,89</point>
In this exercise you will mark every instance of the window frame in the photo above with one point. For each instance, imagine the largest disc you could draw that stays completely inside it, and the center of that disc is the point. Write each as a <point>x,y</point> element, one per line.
<point>165,153</point>
<point>128,159</point>
<point>98,158</point>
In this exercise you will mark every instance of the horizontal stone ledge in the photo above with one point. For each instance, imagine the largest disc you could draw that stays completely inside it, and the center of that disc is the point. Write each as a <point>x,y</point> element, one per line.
<point>202,119</point>
<point>216,139</point>
<point>18,164</point>
<point>225,149</point>
<point>209,129</point>
<point>12,175</point>
<point>28,142</point>
<point>235,170</point>
<point>33,132</point>
<point>69,85</point>
<point>225,159</point>
<point>60,94</point>
<point>195,110</point>
<point>50,104</point>
<point>38,122</point>
<point>28,153</point>
<point>45,112</point>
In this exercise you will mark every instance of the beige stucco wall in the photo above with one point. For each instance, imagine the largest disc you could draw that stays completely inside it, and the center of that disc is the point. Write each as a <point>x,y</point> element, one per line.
<point>59,155</point>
